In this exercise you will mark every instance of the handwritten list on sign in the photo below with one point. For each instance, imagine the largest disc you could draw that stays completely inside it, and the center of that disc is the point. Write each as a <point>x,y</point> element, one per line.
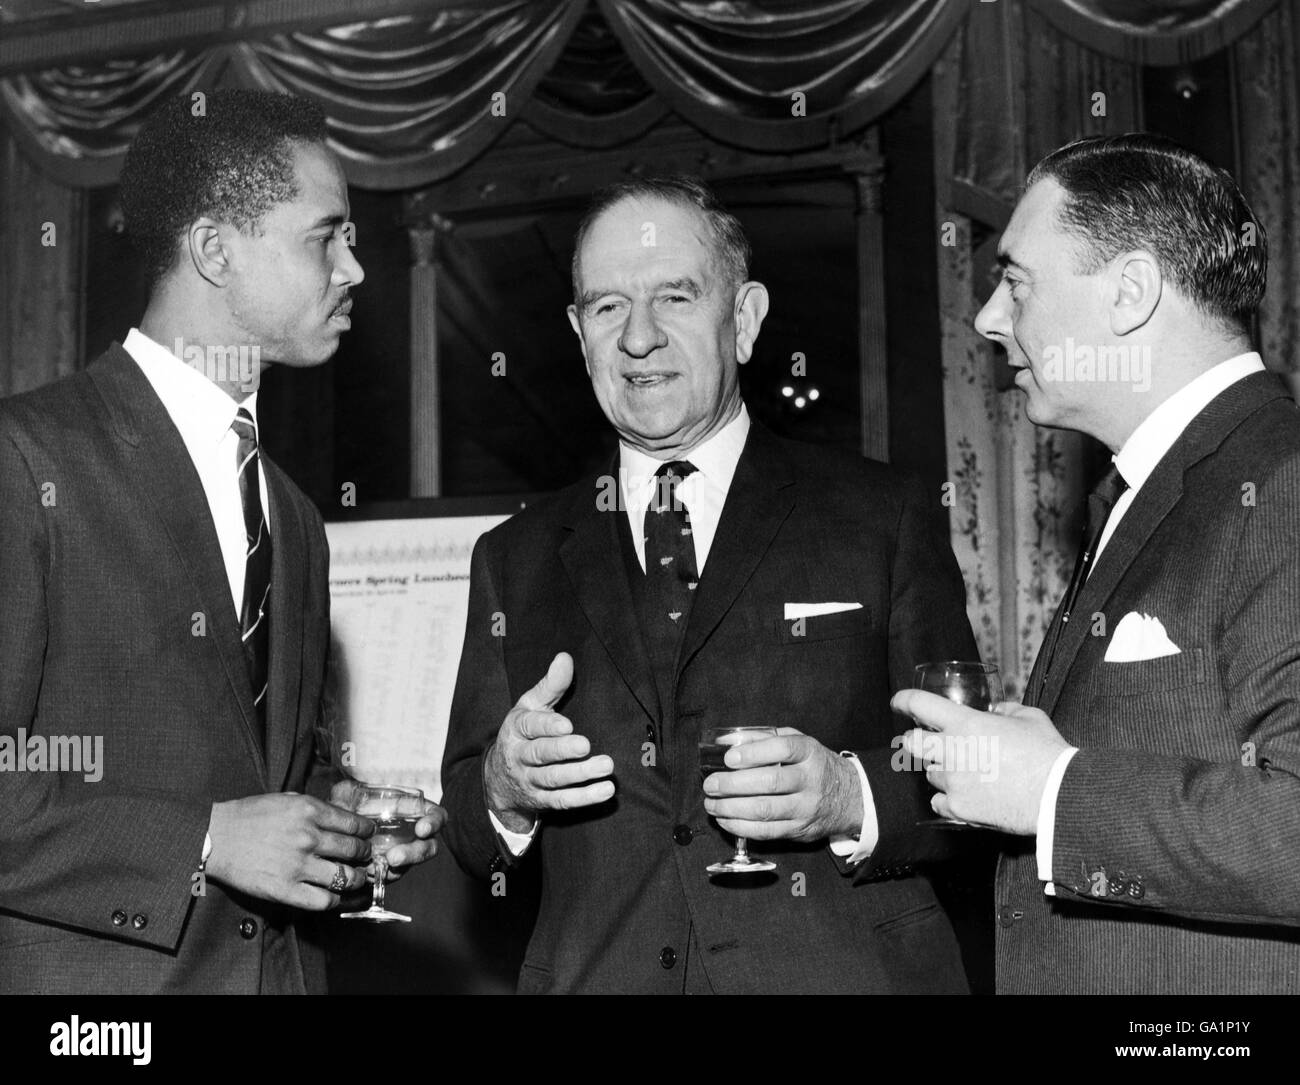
<point>399,593</point>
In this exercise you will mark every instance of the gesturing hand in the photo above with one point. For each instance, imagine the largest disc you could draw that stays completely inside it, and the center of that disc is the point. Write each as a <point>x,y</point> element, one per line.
<point>789,787</point>
<point>287,848</point>
<point>537,763</point>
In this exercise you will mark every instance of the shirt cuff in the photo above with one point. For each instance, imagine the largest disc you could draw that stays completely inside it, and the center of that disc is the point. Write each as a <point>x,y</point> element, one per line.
<point>518,843</point>
<point>1047,818</point>
<point>855,850</point>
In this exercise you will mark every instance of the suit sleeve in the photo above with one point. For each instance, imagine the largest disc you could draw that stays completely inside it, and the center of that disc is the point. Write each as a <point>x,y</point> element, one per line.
<point>72,854</point>
<point>927,621</point>
<point>479,705</point>
<point>1211,840</point>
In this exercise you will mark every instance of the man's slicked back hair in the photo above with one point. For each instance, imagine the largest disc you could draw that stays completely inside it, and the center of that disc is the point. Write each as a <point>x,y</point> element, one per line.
<point>731,249</point>
<point>1140,191</point>
<point>228,157</point>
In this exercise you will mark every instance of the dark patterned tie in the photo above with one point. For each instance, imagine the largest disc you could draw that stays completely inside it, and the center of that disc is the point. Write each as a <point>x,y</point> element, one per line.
<point>255,613</point>
<point>671,576</point>
<point>1101,502</point>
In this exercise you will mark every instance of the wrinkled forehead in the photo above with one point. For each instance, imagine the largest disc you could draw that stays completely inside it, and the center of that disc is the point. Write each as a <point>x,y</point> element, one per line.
<point>637,235</point>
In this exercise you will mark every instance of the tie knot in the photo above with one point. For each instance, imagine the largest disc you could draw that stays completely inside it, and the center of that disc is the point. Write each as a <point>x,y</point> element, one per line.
<point>1111,486</point>
<point>243,425</point>
<point>666,480</point>
<point>675,471</point>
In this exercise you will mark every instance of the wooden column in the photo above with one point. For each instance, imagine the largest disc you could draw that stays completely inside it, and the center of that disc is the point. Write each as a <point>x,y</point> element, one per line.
<point>423,226</point>
<point>866,167</point>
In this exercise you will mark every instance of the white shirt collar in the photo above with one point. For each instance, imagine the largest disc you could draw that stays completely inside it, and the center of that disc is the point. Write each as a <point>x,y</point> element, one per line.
<point>714,459</point>
<point>1156,433</point>
<point>201,410</point>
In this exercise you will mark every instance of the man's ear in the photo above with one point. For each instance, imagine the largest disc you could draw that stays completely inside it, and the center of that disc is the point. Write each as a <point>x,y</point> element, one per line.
<point>207,251</point>
<point>751,308</point>
<point>1134,287</point>
<point>576,323</point>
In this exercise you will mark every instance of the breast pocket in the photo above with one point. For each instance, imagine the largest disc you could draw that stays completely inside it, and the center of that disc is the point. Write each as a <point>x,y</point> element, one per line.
<point>1186,668</point>
<point>845,623</point>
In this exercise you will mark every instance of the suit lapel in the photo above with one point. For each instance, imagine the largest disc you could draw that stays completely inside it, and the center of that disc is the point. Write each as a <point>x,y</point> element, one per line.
<point>288,558</point>
<point>759,500</point>
<point>592,556</point>
<point>1152,504</point>
<point>161,469</point>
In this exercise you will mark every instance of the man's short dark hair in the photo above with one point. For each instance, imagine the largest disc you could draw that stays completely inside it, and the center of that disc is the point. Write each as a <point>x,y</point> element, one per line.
<point>227,156</point>
<point>1140,191</point>
<point>730,246</point>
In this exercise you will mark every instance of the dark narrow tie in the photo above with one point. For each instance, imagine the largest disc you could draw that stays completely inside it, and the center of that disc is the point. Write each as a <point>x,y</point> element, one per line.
<point>1101,502</point>
<point>671,576</point>
<point>255,612</point>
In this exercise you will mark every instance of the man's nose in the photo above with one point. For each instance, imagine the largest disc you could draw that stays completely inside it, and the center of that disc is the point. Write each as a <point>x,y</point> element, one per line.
<point>641,333</point>
<point>991,321</point>
<point>347,268</point>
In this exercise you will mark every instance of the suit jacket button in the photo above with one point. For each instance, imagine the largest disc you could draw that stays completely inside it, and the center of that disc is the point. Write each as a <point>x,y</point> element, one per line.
<point>139,922</point>
<point>667,957</point>
<point>247,928</point>
<point>1007,916</point>
<point>119,918</point>
<point>683,835</point>
<point>1135,889</point>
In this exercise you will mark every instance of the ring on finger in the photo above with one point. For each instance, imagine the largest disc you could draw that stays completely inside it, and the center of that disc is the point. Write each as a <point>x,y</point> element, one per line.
<point>340,880</point>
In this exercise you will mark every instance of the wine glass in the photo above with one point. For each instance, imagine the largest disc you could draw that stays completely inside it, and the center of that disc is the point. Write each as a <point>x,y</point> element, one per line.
<point>975,685</point>
<point>394,810</point>
<point>714,744</point>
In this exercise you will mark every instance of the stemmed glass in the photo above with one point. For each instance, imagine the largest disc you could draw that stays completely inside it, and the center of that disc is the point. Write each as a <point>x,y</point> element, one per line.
<point>975,685</point>
<point>394,810</point>
<point>714,744</point>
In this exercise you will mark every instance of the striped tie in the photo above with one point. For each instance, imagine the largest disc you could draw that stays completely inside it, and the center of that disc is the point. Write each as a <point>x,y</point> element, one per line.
<point>255,613</point>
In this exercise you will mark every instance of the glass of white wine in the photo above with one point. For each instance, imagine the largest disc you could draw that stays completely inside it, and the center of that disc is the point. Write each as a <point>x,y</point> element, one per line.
<point>394,810</point>
<point>714,744</point>
<point>975,685</point>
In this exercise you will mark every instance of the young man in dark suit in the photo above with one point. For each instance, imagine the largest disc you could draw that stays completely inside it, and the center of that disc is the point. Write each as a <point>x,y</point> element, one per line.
<point>714,575</point>
<point>164,591</point>
<point>1153,773</point>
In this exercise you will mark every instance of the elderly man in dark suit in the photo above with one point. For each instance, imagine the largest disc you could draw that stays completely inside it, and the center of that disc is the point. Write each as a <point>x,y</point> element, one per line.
<point>1153,774</point>
<point>714,575</point>
<point>163,592</point>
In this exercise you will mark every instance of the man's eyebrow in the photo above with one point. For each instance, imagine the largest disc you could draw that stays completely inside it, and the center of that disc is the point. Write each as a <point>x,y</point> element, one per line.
<point>686,286</point>
<point>328,220</point>
<point>1005,260</point>
<point>590,297</point>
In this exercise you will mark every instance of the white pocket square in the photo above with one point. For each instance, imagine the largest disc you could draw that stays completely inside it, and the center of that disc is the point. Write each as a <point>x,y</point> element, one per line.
<point>1137,637</point>
<point>794,611</point>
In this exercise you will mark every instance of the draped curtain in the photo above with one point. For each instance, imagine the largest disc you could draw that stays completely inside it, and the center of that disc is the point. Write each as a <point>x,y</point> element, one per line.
<point>413,99</point>
<point>1019,80</point>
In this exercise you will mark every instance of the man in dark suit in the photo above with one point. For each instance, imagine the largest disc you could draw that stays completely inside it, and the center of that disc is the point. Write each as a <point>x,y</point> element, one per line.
<point>1153,774</point>
<point>715,575</point>
<point>164,609</point>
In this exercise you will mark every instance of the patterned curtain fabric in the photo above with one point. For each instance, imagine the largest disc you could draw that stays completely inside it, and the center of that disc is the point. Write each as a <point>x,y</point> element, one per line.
<point>410,99</point>
<point>1268,120</point>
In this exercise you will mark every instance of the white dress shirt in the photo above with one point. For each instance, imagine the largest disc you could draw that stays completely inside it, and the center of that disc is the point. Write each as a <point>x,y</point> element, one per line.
<point>1141,453</point>
<point>704,493</point>
<point>203,414</point>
